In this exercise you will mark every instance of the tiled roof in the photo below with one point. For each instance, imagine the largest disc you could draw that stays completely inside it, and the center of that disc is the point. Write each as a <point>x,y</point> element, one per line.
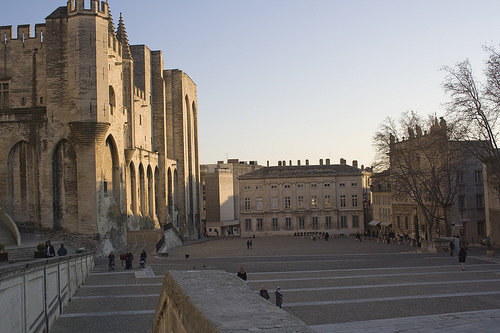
<point>302,171</point>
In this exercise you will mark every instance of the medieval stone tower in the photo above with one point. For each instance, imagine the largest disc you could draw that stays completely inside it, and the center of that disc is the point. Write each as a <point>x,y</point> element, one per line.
<point>96,138</point>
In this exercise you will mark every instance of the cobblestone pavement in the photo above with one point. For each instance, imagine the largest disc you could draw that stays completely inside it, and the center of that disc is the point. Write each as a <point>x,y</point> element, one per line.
<point>339,285</point>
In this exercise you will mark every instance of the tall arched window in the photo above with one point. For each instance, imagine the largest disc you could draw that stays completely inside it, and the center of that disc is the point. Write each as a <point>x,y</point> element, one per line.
<point>112,100</point>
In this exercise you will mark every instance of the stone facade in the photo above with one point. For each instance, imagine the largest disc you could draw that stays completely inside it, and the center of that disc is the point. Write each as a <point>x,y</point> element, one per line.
<point>220,191</point>
<point>96,137</point>
<point>294,200</point>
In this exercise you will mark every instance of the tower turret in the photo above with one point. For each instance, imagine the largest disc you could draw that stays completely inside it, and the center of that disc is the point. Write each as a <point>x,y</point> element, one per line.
<point>121,35</point>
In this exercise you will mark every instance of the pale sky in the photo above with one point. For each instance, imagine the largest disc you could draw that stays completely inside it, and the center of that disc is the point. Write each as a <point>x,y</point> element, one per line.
<point>301,79</point>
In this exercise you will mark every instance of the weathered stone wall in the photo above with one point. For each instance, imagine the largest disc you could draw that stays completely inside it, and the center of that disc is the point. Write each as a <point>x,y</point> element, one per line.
<point>216,301</point>
<point>84,140</point>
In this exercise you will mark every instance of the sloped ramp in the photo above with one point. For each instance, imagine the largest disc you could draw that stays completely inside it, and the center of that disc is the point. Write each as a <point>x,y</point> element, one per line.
<point>9,233</point>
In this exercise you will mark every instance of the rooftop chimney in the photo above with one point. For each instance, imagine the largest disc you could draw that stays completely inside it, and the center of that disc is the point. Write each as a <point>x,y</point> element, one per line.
<point>327,161</point>
<point>320,161</point>
<point>355,163</point>
<point>267,163</point>
<point>307,162</point>
<point>290,164</point>
<point>342,161</point>
<point>279,163</point>
<point>298,162</point>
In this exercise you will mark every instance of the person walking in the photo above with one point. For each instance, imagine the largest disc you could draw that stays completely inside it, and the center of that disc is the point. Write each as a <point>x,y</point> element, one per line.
<point>264,293</point>
<point>279,297</point>
<point>461,257</point>
<point>62,251</point>
<point>242,274</point>
<point>452,247</point>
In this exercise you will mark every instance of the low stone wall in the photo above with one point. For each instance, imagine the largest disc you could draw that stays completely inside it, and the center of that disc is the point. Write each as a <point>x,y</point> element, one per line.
<point>34,294</point>
<point>214,301</point>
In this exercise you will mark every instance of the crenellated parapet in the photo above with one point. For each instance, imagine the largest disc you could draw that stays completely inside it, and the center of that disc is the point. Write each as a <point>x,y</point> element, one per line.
<point>96,7</point>
<point>23,34</point>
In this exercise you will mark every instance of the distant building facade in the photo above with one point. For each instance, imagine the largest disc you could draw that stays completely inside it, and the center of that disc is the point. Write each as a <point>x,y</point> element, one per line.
<point>220,193</point>
<point>301,199</point>
<point>381,203</point>
<point>461,187</point>
<point>96,137</point>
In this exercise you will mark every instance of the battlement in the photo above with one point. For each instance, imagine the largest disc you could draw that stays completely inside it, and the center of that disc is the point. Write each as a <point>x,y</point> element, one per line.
<point>23,33</point>
<point>96,7</point>
<point>139,95</point>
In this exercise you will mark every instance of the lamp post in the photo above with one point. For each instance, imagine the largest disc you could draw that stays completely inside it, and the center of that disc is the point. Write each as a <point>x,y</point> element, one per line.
<point>417,232</point>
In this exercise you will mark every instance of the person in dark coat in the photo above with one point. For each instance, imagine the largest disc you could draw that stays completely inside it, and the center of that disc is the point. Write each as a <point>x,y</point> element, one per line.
<point>128,260</point>
<point>62,251</point>
<point>461,257</point>
<point>242,274</point>
<point>279,297</point>
<point>452,247</point>
<point>264,293</point>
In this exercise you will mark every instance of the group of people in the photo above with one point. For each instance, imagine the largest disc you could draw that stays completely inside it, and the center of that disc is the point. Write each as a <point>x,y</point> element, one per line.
<point>50,251</point>
<point>129,257</point>
<point>263,291</point>
<point>278,294</point>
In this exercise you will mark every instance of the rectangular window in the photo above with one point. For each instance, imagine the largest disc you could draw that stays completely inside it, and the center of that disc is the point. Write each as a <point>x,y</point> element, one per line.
<point>328,202</point>
<point>288,223</point>
<point>260,224</point>
<point>355,200</point>
<point>355,221</point>
<point>302,223</point>
<point>258,203</point>
<point>314,201</point>
<point>478,177</point>
<point>342,201</point>
<point>287,202</point>
<point>481,228</point>
<point>313,185</point>
<point>247,188</point>
<point>287,185</point>
<point>274,203</point>
<point>341,184</point>
<point>407,226</point>
<point>354,184</point>
<point>460,177</point>
<point>248,224</point>
<point>479,201</point>
<point>273,187</point>
<point>258,187</point>
<point>300,202</point>
<point>275,224</point>
<point>300,185</point>
<point>315,224</point>
<point>399,222</point>
<point>4,95</point>
<point>247,204</point>
<point>461,202</point>
<point>328,222</point>
<point>326,184</point>
<point>343,221</point>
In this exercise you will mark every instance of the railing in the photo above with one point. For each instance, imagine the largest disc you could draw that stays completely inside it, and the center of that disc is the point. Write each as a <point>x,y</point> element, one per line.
<point>34,294</point>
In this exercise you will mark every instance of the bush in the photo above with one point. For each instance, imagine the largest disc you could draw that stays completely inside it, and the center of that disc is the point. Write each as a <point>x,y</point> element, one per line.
<point>40,247</point>
<point>2,248</point>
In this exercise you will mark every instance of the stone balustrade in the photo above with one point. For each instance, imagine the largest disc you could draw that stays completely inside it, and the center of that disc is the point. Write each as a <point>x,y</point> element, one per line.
<point>34,294</point>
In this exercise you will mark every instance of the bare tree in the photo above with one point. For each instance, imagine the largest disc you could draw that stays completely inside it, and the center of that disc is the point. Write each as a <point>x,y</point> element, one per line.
<point>474,108</point>
<point>423,164</point>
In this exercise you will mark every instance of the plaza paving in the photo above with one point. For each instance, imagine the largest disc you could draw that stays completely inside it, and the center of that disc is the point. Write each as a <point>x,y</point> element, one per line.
<point>339,285</point>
